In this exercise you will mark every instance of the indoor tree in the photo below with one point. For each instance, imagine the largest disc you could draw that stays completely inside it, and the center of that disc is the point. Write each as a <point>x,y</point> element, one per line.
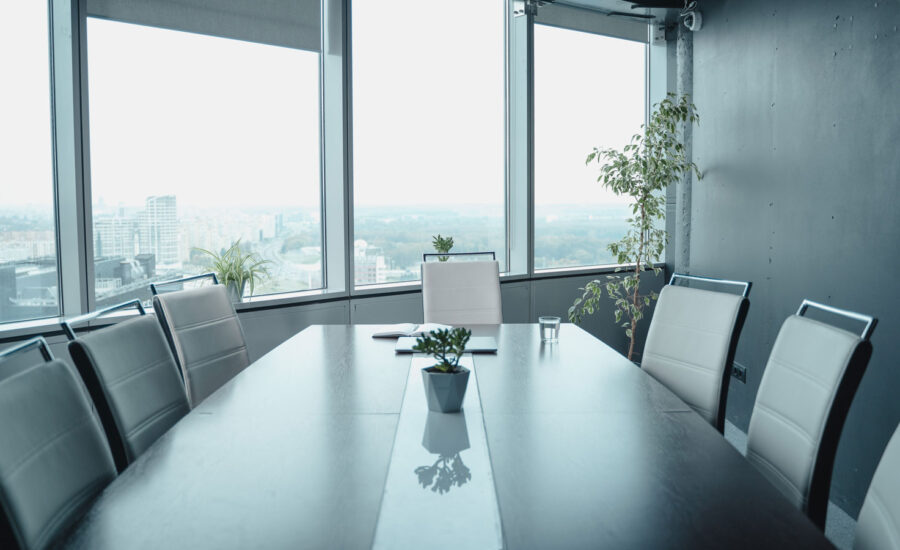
<point>652,160</point>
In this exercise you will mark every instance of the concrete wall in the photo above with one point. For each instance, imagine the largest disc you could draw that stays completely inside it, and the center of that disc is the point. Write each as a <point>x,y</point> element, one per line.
<point>800,144</point>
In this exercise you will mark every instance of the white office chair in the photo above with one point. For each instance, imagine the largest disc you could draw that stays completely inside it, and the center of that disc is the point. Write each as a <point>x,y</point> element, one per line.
<point>691,343</point>
<point>131,375</point>
<point>206,337</point>
<point>461,293</point>
<point>54,459</point>
<point>878,527</point>
<point>803,399</point>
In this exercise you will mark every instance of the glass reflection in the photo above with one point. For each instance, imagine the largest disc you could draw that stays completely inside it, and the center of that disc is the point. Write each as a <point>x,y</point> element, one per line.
<point>445,435</point>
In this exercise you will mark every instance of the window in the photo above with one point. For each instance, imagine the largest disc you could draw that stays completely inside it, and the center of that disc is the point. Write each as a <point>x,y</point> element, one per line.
<point>428,132</point>
<point>589,92</point>
<point>198,141</point>
<point>29,282</point>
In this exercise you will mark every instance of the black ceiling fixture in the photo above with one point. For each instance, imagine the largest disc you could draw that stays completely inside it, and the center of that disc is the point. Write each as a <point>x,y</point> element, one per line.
<point>665,4</point>
<point>630,14</point>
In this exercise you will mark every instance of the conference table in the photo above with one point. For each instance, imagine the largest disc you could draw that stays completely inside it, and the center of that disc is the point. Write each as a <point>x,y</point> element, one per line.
<point>326,442</point>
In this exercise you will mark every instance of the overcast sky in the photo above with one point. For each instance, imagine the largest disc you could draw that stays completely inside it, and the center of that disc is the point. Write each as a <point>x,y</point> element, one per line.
<point>26,155</point>
<point>221,122</point>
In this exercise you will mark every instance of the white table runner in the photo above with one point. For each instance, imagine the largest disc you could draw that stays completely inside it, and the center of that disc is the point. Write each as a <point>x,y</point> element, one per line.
<point>440,488</point>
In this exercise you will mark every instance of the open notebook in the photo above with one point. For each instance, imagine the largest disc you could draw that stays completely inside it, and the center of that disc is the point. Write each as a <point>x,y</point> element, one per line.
<point>409,329</point>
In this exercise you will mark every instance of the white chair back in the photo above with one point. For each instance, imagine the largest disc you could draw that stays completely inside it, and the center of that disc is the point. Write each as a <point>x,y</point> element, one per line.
<point>802,402</point>
<point>878,527</point>
<point>461,293</point>
<point>206,336</point>
<point>690,346</point>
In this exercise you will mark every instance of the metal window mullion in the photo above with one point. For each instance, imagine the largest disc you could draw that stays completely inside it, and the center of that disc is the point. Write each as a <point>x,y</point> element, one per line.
<point>72,229</point>
<point>530,149</point>
<point>333,98</point>
<point>519,195</point>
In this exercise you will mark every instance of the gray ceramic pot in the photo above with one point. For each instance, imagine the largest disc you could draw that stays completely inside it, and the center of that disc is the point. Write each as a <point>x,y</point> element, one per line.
<point>445,391</point>
<point>236,294</point>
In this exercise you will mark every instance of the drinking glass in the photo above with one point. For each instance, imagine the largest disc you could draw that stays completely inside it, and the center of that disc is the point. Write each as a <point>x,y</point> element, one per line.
<point>549,329</point>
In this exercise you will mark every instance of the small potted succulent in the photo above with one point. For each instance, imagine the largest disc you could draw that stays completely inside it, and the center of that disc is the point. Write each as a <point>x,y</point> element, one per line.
<point>442,245</point>
<point>445,381</point>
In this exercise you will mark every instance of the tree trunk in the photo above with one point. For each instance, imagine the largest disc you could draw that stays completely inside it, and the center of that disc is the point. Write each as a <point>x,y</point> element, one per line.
<point>637,282</point>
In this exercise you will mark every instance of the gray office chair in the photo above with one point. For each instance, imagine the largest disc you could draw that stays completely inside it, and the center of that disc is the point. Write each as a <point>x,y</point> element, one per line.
<point>692,340</point>
<point>132,378</point>
<point>53,456</point>
<point>802,402</point>
<point>206,337</point>
<point>878,527</point>
<point>462,293</point>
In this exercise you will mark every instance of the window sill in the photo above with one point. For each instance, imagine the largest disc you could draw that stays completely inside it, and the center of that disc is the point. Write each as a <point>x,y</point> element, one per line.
<point>49,326</point>
<point>555,273</point>
<point>269,301</point>
<point>20,330</point>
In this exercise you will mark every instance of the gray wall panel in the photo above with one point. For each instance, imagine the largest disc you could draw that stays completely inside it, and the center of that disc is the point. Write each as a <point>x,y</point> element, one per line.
<point>265,329</point>
<point>400,308</point>
<point>517,302</point>
<point>799,139</point>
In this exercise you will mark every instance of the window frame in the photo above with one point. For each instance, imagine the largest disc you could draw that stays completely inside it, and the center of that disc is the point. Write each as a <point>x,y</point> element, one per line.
<point>89,301</point>
<point>506,268</point>
<point>578,19</point>
<point>71,154</point>
<point>59,124</point>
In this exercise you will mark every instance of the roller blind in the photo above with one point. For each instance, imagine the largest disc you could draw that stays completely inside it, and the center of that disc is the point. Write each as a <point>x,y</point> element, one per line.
<point>288,23</point>
<point>596,22</point>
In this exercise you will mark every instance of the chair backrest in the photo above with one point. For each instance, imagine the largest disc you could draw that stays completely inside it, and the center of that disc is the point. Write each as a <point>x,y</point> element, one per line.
<point>878,527</point>
<point>461,293</point>
<point>691,344</point>
<point>179,283</point>
<point>53,455</point>
<point>804,395</point>
<point>458,256</point>
<point>133,380</point>
<point>206,337</point>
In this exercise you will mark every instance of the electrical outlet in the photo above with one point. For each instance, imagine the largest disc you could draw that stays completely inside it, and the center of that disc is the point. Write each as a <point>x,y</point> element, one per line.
<point>739,372</point>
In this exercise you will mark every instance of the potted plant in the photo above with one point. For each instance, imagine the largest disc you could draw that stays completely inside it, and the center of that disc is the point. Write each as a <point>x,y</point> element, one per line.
<point>652,161</point>
<point>445,381</point>
<point>235,269</point>
<point>442,245</point>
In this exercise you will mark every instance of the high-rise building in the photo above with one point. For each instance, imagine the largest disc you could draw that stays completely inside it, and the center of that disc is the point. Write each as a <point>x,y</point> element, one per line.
<point>115,236</point>
<point>158,229</point>
<point>369,263</point>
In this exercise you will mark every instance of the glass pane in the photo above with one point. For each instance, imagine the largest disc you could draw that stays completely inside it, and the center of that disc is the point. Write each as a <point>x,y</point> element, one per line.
<point>29,283</point>
<point>428,132</point>
<point>198,142</point>
<point>589,92</point>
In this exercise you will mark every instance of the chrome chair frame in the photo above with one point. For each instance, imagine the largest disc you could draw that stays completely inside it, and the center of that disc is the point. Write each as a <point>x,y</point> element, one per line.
<point>155,286</point>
